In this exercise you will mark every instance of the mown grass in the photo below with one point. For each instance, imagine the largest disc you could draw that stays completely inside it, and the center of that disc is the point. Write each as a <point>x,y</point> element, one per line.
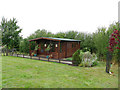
<point>0,73</point>
<point>26,73</point>
<point>69,59</point>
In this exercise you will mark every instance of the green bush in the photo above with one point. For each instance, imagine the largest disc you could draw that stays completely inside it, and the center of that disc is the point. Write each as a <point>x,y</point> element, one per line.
<point>94,63</point>
<point>87,55</point>
<point>81,54</point>
<point>85,49</point>
<point>76,60</point>
<point>88,59</point>
<point>93,55</point>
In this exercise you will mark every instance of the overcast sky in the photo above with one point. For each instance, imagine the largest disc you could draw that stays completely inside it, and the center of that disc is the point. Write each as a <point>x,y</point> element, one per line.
<point>60,15</point>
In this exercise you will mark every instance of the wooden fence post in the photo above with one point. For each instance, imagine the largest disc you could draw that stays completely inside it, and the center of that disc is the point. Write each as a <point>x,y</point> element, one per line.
<point>17,55</point>
<point>59,60</point>
<point>72,62</point>
<point>39,57</point>
<point>48,59</point>
<point>30,57</point>
<point>23,55</point>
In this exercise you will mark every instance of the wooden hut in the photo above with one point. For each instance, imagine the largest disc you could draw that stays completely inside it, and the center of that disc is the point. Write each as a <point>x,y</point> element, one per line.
<point>59,47</point>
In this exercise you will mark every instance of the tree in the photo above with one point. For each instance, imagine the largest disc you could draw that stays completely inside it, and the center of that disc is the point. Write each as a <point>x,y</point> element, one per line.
<point>24,46</point>
<point>42,33</point>
<point>60,35</point>
<point>100,39</point>
<point>115,27</point>
<point>89,43</point>
<point>71,34</point>
<point>10,33</point>
<point>0,37</point>
<point>114,43</point>
<point>81,36</point>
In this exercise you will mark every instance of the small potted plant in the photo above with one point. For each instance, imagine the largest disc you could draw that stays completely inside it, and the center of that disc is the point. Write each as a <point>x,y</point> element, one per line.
<point>32,54</point>
<point>48,48</point>
<point>36,48</point>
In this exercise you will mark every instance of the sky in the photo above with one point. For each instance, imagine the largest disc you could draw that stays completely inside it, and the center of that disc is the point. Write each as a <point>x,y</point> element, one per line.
<point>60,15</point>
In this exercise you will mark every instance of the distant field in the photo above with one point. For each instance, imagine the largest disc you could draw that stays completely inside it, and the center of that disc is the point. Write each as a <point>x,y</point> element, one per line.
<point>26,73</point>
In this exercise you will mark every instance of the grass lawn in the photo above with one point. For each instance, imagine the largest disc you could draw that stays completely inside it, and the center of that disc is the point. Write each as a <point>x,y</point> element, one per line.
<point>26,73</point>
<point>69,59</point>
<point>0,73</point>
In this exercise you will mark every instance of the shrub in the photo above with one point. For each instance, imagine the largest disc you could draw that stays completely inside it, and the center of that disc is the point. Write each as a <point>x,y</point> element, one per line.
<point>81,54</point>
<point>94,63</point>
<point>85,49</point>
<point>81,64</point>
<point>87,55</point>
<point>76,60</point>
<point>87,64</point>
<point>88,59</point>
<point>93,55</point>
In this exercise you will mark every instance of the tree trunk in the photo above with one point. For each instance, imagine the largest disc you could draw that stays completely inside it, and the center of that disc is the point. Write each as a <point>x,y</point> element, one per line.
<point>118,57</point>
<point>108,61</point>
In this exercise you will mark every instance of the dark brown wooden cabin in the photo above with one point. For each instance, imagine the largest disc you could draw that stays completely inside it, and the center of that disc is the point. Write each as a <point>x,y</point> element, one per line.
<point>61,48</point>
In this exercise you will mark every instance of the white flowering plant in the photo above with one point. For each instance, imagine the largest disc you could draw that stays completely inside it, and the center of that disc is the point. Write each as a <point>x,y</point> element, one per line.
<point>88,59</point>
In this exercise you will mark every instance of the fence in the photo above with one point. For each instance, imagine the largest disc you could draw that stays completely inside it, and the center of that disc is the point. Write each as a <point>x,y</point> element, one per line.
<point>44,58</point>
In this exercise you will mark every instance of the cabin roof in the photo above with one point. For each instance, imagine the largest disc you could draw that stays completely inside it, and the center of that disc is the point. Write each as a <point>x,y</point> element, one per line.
<point>55,39</point>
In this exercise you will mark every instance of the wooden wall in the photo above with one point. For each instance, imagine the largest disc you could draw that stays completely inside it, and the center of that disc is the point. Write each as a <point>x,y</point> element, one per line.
<point>69,48</point>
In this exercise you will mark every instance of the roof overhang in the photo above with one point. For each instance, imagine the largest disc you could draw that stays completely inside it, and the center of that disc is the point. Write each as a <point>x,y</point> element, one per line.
<point>43,38</point>
<point>55,39</point>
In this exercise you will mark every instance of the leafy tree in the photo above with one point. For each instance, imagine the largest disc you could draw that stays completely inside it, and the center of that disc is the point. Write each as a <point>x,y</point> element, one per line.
<point>42,33</point>
<point>113,45</point>
<point>81,36</point>
<point>111,29</point>
<point>86,41</point>
<point>60,35</point>
<point>89,43</point>
<point>71,34</point>
<point>24,46</point>
<point>0,41</point>
<point>100,39</point>
<point>10,33</point>
<point>49,34</point>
